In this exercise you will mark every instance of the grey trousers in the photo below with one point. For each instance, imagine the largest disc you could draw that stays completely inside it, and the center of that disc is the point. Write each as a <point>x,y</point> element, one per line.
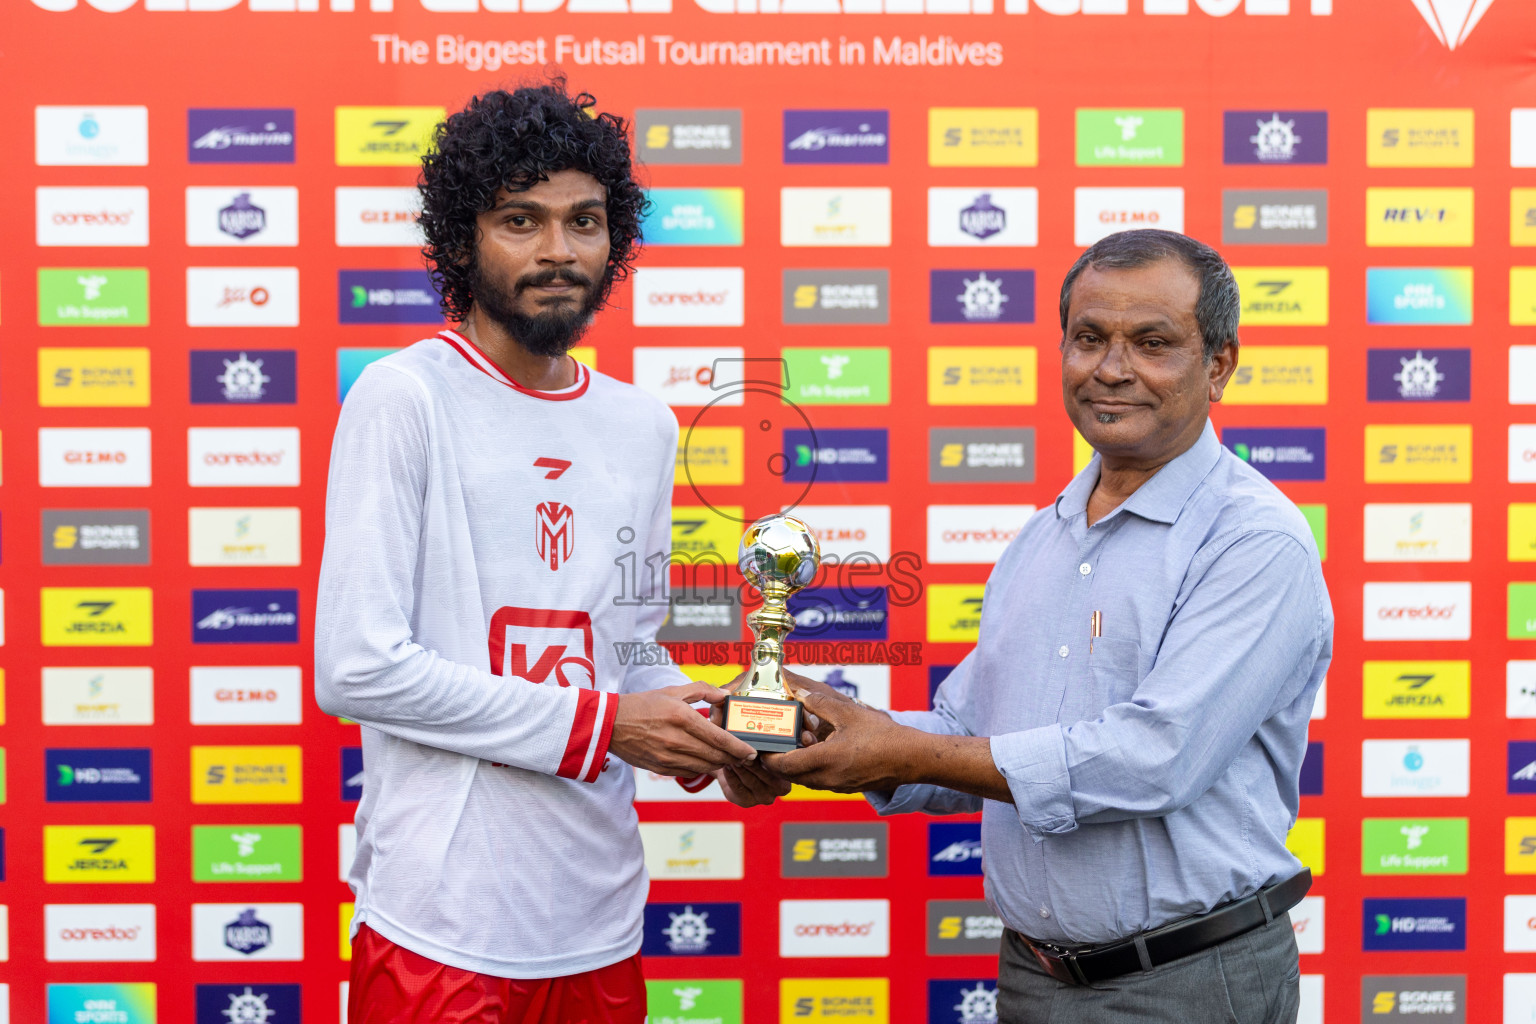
<point>1252,979</point>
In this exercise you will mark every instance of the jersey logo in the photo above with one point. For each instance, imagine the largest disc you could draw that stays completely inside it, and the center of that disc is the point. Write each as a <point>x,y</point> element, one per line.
<point>554,533</point>
<point>555,467</point>
<point>537,643</point>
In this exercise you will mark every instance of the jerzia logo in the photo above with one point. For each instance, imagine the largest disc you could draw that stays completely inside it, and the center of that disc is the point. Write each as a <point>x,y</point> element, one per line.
<point>554,533</point>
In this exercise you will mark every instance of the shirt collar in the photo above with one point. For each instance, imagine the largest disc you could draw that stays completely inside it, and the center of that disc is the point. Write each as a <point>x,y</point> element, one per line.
<point>1161,498</point>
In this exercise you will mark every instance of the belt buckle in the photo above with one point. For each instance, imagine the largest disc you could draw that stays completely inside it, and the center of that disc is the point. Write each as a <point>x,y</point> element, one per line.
<point>1062,966</point>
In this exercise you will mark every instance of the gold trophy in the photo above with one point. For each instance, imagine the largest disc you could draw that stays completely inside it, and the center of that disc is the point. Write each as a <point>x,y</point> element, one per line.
<point>778,555</point>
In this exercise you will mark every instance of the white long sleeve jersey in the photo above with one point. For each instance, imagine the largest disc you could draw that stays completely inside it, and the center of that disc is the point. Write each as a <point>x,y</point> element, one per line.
<point>476,578</point>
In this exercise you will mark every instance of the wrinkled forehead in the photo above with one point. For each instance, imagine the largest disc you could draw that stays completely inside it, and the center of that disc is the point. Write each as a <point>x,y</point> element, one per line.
<point>1165,291</point>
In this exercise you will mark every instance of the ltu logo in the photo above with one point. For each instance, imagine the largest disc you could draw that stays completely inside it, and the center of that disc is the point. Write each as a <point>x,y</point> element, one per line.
<point>1452,21</point>
<point>554,533</point>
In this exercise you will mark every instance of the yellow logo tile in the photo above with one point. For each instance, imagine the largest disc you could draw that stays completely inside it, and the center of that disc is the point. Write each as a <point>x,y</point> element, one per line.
<point>1418,454</point>
<point>983,137</point>
<point>1418,216</point>
<point>1417,689</point>
<point>1522,296</point>
<point>701,533</point>
<point>1522,216</point>
<point>1082,453</point>
<point>92,377</point>
<point>1306,842</point>
<point>98,853</point>
<point>346,931</point>
<point>1522,532</point>
<point>709,455</point>
<point>954,612</point>
<point>247,775</point>
<point>1283,296</point>
<point>97,617</point>
<point>714,675</point>
<point>1520,846</point>
<point>978,375</point>
<point>866,1000</point>
<point>1424,137</point>
<point>586,355</point>
<point>803,793</point>
<point>1279,375</point>
<point>384,136</point>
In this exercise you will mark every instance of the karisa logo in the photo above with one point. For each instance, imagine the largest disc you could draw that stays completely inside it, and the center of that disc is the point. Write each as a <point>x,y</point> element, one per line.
<point>1452,21</point>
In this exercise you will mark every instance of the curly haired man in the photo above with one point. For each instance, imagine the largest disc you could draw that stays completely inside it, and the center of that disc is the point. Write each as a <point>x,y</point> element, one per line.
<point>482,487</point>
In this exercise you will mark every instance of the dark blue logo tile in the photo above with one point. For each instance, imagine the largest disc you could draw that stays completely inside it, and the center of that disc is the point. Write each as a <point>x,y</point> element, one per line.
<point>1274,136</point>
<point>244,376</point>
<point>837,137</point>
<point>1418,375</point>
<point>1294,453</point>
<point>1426,924</point>
<point>245,616</point>
<point>79,775</point>
<point>692,929</point>
<point>981,296</point>
<point>954,848</point>
<point>850,456</point>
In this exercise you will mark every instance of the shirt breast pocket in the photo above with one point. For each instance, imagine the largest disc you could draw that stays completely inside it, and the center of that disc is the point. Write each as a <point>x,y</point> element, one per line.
<point>1115,666</point>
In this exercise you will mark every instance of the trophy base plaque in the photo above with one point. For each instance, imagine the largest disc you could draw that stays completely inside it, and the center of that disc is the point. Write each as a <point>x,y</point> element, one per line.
<point>764,723</point>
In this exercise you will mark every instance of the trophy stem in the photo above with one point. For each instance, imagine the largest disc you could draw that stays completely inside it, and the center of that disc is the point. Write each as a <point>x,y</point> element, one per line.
<point>770,625</point>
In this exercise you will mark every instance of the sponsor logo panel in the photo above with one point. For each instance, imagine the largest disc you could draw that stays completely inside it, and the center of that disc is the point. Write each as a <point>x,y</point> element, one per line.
<point>701,612</point>
<point>1295,453</point>
<point>220,216</point>
<point>93,457</point>
<point>385,136</point>
<point>692,849</point>
<point>1522,296</point>
<point>837,137</point>
<point>1307,841</point>
<point>1311,778</point>
<point>351,362</point>
<point>653,788</point>
<point>836,296</point>
<point>97,775</point>
<point>834,999</point>
<point>240,136</point>
<point>244,376</point>
<point>973,534</point>
<point>868,683</point>
<point>1405,137</point>
<point>1418,375</point>
<point>844,531</point>
<point>92,377</point>
<point>1130,138</point>
<point>1274,136</point>
<point>1520,846</point>
<point>692,929</point>
<point>247,775</point>
<point>689,297</point>
<point>1413,846</point>
<point>1522,216</point>
<point>694,1001</point>
<point>1414,924</point>
<point>1438,296</point>
<point>1522,137</point>
<point>98,696</point>
<point>1520,689</point>
<point>246,695</point>
<point>92,297</point>
<point>243,456</point>
<point>1440,997</point>
<point>1418,216</point>
<point>1418,611</point>
<point>1274,216</point>
<point>981,296</point>
<point>688,136</point>
<point>1522,453</point>
<point>687,376</point>
<point>842,376</point>
<point>1098,212</point>
<point>963,927</point>
<point>1520,924</point>
<point>242,297</point>
<point>835,850</point>
<point>983,137</point>
<point>713,455</point>
<point>1418,533</point>
<point>97,616</point>
<point>98,853</point>
<point>380,216</point>
<point>132,1002</point>
<point>98,932</point>
<point>694,216</point>
<point>1417,689</point>
<point>1414,768</point>
<point>847,455</point>
<point>986,455</point>
<point>243,536</point>
<point>387,297</point>
<point>92,216</point>
<point>239,1004</point>
<point>838,614</point>
<point>968,1001</point>
<point>830,928</point>
<point>983,216</point>
<point>997,375</point>
<point>1317,521</point>
<point>247,931</point>
<point>954,848</point>
<point>954,612</point>
<point>834,217</point>
<point>104,536</point>
<point>697,530</point>
<point>1418,453</point>
<point>245,616</point>
<point>1283,296</point>
<point>247,853</point>
<point>1522,611</point>
<point>1522,532</point>
<point>91,136</point>
<point>1309,924</point>
<point>1280,375</point>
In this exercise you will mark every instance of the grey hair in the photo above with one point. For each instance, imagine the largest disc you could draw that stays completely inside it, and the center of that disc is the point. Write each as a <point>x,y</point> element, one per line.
<point>1216,310</point>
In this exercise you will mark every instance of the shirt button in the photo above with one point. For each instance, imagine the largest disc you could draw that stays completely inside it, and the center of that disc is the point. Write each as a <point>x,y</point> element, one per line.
<point>1062,650</point>
<point>1085,568</point>
<point>1045,912</point>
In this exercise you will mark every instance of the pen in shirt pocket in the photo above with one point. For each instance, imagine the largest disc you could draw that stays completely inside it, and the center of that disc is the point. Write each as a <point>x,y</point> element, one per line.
<point>1095,629</point>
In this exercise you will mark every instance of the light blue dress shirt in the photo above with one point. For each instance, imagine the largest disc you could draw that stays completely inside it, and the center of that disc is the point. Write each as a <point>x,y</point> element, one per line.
<point>1154,770</point>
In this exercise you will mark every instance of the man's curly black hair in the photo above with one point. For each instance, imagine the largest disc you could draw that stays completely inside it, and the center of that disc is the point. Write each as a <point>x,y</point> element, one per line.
<point>514,140</point>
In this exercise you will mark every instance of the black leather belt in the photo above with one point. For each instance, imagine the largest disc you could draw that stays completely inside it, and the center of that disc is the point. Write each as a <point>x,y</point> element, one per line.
<point>1086,964</point>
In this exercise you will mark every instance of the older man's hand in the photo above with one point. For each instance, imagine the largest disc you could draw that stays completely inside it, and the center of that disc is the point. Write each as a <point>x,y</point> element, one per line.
<point>859,748</point>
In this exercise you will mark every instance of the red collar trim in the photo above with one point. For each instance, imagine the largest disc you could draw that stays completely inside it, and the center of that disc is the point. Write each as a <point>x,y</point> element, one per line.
<point>480,361</point>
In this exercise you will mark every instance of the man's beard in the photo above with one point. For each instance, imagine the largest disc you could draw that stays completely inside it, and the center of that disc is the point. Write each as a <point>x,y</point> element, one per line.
<point>551,332</point>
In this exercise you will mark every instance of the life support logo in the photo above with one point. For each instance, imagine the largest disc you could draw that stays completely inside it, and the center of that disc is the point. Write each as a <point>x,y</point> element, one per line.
<point>543,645</point>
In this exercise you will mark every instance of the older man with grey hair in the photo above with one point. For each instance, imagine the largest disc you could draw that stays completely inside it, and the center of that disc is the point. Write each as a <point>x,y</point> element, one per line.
<point>1133,719</point>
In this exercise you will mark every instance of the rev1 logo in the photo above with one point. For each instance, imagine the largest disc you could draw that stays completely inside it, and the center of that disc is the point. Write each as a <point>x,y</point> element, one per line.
<point>829,613</point>
<point>386,297</point>
<point>1297,453</point>
<point>240,136</point>
<point>838,850</point>
<point>245,616</point>
<point>837,137</point>
<point>823,928</point>
<point>954,848</point>
<point>1422,924</point>
<point>963,927</point>
<point>248,1004</point>
<point>97,774</point>
<point>244,376</point>
<point>688,136</point>
<point>851,456</point>
<point>692,929</point>
<point>981,296</point>
<point>244,931</point>
<point>968,1001</point>
<point>1274,137</point>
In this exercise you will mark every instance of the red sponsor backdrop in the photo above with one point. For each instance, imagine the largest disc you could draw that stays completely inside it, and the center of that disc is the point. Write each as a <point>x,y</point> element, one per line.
<point>1362,55</point>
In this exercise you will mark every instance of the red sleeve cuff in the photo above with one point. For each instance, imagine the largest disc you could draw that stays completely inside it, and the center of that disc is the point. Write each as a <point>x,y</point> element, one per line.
<point>591,730</point>
<point>696,784</point>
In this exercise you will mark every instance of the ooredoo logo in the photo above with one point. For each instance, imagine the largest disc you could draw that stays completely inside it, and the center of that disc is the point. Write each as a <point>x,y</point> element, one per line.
<point>243,456</point>
<point>112,932</point>
<point>93,216</point>
<point>689,297</point>
<point>973,534</point>
<point>1418,611</point>
<point>817,928</point>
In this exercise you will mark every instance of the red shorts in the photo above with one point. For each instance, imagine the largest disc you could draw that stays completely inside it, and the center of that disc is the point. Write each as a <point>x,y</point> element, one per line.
<point>392,985</point>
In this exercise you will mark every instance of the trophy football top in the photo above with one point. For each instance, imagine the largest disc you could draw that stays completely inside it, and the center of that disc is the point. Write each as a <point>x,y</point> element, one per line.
<point>778,551</point>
